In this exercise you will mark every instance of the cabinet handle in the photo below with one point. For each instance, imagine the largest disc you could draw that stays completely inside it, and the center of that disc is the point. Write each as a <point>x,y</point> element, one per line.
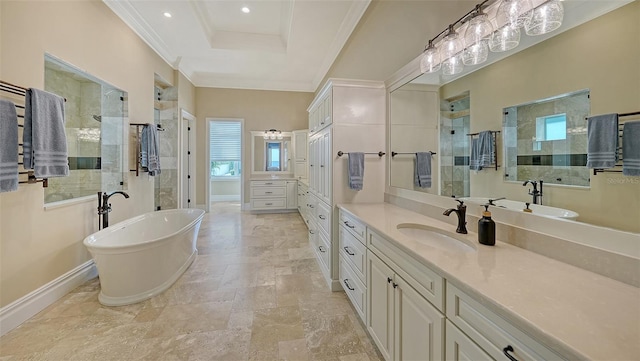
<point>321,165</point>
<point>268,192</point>
<point>506,351</point>
<point>268,183</point>
<point>346,283</point>
<point>268,204</point>
<point>322,217</point>
<point>389,280</point>
<point>346,249</point>
<point>395,285</point>
<point>322,249</point>
<point>311,205</point>
<point>346,223</point>
<point>312,232</point>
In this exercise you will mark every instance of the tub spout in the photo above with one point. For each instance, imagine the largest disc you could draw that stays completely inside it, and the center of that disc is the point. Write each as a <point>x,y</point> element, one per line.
<point>104,207</point>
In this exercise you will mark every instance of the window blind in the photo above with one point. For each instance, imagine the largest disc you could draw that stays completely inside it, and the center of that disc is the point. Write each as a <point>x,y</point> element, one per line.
<point>225,139</point>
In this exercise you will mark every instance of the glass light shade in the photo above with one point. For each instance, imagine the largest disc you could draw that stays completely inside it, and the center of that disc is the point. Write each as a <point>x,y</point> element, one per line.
<point>451,52</point>
<point>505,38</point>
<point>430,62</point>
<point>515,13</point>
<point>545,18</point>
<point>476,53</point>
<point>265,136</point>
<point>478,30</point>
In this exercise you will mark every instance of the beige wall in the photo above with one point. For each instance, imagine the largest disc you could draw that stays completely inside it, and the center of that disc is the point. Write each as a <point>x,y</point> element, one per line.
<point>186,93</point>
<point>601,55</point>
<point>37,245</point>
<point>260,110</point>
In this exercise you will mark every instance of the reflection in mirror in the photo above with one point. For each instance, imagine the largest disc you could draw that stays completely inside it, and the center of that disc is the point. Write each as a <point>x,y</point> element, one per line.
<point>455,119</point>
<point>95,115</point>
<point>547,140</point>
<point>271,155</point>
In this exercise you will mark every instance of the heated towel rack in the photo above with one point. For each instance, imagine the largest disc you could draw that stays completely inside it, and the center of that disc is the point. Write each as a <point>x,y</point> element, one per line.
<point>494,138</point>
<point>27,176</point>
<point>620,155</point>
<point>138,145</point>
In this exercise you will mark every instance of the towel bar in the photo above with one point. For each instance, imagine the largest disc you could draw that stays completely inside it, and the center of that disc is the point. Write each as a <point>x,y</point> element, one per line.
<point>393,154</point>
<point>379,154</point>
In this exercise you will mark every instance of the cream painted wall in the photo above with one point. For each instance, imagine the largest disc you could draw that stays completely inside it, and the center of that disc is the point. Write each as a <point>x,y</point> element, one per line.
<point>186,93</point>
<point>38,245</point>
<point>601,55</point>
<point>390,34</point>
<point>260,110</point>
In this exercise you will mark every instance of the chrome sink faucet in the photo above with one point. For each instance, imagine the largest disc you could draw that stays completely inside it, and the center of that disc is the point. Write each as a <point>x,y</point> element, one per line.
<point>535,193</point>
<point>104,207</point>
<point>461,212</point>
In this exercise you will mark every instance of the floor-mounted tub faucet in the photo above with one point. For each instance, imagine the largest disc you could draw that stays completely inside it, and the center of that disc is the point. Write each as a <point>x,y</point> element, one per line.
<point>461,212</point>
<point>535,193</point>
<point>104,207</point>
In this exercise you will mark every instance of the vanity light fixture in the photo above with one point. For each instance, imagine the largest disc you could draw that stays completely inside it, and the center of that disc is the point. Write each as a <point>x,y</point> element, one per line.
<point>272,134</point>
<point>483,33</point>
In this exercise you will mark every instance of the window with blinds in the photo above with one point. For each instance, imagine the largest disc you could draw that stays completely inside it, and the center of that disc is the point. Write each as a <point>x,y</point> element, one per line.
<point>225,149</point>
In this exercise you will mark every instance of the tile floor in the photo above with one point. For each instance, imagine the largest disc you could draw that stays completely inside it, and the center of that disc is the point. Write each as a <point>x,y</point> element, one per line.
<point>255,292</point>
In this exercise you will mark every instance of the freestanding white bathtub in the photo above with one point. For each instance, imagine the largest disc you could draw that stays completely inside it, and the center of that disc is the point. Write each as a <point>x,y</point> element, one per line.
<point>143,256</point>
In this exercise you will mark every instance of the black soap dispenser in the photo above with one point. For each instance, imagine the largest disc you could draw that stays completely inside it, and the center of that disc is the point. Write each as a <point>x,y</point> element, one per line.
<point>486,228</point>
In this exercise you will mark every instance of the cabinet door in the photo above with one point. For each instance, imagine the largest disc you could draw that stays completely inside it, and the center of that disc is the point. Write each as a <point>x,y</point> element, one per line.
<point>380,305</point>
<point>313,165</point>
<point>419,327</point>
<point>327,104</point>
<point>459,347</point>
<point>301,145</point>
<point>300,170</point>
<point>292,194</point>
<point>325,167</point>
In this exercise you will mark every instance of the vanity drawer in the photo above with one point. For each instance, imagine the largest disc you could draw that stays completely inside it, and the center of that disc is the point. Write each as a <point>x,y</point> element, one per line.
<point>354,252</point>
<point>490,331</point>
<point>428,283</point>
<point>323,216</point>
<point>323,250</point>
<point>353,225</point>
<point>269,183</point>
<point>355,290</point>
<point>268,191</point>
<point>268,203</point>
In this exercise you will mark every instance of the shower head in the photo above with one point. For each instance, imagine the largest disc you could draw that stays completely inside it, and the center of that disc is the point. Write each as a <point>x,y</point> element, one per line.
<point>97,117</point>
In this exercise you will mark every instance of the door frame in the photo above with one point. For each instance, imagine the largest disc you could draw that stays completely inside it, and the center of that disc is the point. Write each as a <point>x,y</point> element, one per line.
<point>207,163</point>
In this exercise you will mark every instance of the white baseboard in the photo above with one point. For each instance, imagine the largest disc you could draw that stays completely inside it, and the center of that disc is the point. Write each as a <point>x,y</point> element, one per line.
<point>15,313</point>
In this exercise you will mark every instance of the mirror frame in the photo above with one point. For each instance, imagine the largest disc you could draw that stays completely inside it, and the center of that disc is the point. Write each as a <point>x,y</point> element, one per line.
<point>260,133</point>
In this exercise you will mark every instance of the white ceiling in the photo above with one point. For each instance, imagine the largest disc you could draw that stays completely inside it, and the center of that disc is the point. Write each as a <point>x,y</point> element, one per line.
<point>280,45</point>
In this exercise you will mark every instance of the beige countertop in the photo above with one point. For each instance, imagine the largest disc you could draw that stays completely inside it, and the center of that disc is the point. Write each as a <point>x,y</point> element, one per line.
<point>580,314</point>
<point>288,177</point>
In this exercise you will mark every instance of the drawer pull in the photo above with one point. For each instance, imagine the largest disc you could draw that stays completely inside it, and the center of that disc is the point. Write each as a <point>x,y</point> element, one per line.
<point>506,351</point>
<point>268,183</point>
<point>346,223</point>
<point>322,249</point>
<point>311,205</point>
<point>346,283</point>
<point>268,204</point>
<point>322,217</point>
<point>312,232</point>
<point>268,192</point>
<point>395,285</point>
<point>389,280</point>
<point>346,249</point>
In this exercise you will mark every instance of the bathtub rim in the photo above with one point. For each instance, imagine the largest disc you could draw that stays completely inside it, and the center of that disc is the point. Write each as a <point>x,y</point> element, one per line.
<point>128,300</point>
<point>90,240</point>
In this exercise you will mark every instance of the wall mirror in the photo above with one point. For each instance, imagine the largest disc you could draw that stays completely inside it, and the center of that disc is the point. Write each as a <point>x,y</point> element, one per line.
<point>95,118</point>
<point>532,77</point>
<point>271,155</point>
<point>547,140</point>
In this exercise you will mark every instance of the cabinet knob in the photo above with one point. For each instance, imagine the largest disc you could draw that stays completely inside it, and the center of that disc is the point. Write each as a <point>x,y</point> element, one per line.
<point>348,250</point>
<point>506,351</point>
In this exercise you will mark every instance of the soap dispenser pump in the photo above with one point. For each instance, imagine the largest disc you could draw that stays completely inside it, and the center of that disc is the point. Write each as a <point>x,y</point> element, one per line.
<point>486,228</point>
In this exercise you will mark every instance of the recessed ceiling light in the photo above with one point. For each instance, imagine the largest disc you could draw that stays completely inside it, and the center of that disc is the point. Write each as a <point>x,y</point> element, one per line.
<point>167,14</point>
<point>246,9</point>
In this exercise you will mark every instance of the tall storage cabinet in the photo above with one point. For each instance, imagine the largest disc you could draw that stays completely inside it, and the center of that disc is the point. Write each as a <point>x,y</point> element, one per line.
<point>347,116</point>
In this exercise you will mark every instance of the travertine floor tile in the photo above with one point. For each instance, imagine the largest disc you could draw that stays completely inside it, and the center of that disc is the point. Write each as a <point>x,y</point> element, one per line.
<point>254,292</point>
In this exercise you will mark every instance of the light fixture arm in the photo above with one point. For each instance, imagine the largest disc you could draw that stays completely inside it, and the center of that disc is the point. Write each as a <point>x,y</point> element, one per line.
<point>462,20</point>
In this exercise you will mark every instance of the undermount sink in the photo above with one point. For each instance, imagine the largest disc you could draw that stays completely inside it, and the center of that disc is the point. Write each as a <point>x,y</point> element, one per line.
<point>436,238</point>
<point>538,209</point>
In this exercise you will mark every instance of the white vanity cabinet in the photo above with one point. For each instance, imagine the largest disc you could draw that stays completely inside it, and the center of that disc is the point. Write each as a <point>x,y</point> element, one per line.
<point>353,263</point>
<point>273,195</point>
<point>333,127</point>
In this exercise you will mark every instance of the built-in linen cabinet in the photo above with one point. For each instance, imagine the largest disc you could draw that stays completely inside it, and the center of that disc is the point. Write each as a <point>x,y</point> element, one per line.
<point>333,127</point>
<point>301,153</point>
